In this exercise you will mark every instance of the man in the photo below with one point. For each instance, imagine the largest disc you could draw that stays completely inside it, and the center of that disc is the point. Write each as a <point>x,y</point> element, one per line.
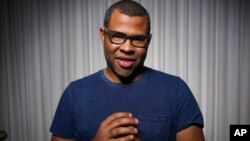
<point>127,101</point>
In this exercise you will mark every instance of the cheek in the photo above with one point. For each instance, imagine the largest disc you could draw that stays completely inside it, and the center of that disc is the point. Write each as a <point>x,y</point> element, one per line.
<point>109,50</point>
<point>141,53</point>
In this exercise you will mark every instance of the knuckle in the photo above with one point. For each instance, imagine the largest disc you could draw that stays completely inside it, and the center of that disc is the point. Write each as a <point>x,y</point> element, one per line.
<point>120,114</point>
<point>118,122</point>
<point>102,124</point>
<point>123,131</point>
<point>116,131</point>
<point>124,122</point>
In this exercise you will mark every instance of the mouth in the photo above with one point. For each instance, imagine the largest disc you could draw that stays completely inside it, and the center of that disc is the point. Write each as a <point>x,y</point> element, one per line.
<point>125,62</point>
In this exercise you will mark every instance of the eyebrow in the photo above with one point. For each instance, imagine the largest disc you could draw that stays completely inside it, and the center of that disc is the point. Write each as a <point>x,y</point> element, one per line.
<point>127,34</point>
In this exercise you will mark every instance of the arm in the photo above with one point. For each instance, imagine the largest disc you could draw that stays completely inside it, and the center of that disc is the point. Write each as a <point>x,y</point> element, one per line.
<point>191,133</point>
<point>55,138</point>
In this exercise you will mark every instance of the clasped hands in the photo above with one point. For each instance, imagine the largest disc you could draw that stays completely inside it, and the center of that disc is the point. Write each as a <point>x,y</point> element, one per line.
<point>119,126</point>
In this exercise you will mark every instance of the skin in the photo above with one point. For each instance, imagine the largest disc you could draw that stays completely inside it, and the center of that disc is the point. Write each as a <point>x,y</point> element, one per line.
<point>125,63</point>
<point>118,127</point>
<point>55,138</point>
<point>192,133</point>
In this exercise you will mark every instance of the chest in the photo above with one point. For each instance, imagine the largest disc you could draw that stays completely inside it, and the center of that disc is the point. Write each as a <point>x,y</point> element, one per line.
<point>156,111</point>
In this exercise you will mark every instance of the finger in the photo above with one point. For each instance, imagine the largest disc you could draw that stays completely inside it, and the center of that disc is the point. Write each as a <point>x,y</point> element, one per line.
<point>125,121</point>
<point>115,116</point>
<point>122,131</point>
<point>137,138</point>
<point>124,138</point>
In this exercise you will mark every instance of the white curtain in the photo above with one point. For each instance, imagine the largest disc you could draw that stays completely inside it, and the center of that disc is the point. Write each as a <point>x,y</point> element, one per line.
<point>46,44</point>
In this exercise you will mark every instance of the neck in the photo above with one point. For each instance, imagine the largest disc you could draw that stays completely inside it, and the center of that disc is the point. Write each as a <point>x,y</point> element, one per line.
<point>112,76</point>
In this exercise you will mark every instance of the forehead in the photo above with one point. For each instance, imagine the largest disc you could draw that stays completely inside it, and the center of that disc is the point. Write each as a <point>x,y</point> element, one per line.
<point>127,24</point>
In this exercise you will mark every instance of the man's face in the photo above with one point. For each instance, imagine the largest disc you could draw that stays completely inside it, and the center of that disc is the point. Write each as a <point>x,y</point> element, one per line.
<point>124,60</point>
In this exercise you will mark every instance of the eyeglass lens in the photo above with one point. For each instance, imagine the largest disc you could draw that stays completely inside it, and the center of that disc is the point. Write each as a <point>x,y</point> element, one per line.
<point>120,38</point>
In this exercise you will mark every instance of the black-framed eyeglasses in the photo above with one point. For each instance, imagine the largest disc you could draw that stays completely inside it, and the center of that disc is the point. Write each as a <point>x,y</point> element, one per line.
<point>119,38</point>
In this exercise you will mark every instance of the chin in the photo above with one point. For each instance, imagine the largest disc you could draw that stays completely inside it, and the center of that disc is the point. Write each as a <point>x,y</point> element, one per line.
<point>124,73</point>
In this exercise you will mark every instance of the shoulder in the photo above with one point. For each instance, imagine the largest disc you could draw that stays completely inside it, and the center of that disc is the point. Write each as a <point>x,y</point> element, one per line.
<point>159,76</point>
<point>83,85</point>
<point>172,83</point>
<point>86,81</point>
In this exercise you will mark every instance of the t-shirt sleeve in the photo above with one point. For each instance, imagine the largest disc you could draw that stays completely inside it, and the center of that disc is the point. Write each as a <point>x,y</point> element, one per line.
<point>188,109</point>
<point>63,124</point>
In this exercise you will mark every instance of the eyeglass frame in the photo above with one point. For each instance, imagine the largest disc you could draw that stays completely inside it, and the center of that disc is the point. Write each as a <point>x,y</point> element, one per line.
<point>131,38</point>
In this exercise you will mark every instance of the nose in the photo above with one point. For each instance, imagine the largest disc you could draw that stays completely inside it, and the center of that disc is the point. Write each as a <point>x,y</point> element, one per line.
<point>127,47</point>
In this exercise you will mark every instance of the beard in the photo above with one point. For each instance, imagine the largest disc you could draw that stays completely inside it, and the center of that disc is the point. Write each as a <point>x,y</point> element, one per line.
<point>125,75</point>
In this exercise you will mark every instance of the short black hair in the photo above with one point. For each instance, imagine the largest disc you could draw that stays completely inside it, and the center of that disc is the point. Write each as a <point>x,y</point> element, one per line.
<point>127,7</point>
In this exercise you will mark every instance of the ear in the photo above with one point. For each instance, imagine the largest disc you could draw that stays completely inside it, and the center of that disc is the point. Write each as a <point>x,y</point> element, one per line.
<point>102,34</point>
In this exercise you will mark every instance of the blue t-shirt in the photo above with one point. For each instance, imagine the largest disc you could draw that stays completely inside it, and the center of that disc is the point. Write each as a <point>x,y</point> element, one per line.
<point>163,104</point>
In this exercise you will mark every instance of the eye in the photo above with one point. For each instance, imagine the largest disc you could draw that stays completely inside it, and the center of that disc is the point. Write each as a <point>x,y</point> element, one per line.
<point>118,38</point>
<point>139,39</point>
<point>118,35</point>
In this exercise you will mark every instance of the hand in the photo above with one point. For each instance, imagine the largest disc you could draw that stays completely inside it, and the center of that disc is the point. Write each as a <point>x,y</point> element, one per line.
<point>117,127</point>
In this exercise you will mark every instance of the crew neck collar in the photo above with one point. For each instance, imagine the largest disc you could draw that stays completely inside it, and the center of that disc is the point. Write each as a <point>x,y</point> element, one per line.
<point>141,79</point>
